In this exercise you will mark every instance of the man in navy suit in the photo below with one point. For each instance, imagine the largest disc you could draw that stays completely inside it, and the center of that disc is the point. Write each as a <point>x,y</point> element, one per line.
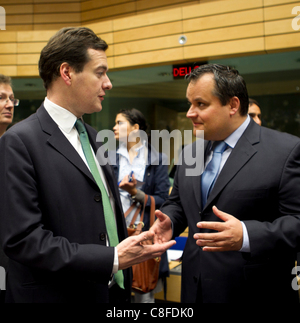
<point>52,220</point>
<point>244,238</point>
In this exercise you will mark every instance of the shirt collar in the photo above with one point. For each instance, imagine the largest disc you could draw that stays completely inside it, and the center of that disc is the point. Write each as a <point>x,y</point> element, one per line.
<point>232,139</point>
<point>122,150</point>
<point>61,116</point>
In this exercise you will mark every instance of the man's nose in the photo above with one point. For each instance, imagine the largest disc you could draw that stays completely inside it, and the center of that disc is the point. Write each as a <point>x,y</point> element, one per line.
<point>191,113</point>
<point>107,84</point>
<point>9,104</point>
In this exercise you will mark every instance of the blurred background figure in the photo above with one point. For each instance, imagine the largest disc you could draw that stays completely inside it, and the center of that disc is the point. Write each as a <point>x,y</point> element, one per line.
<point>7,103</point>
<point>133,155</point>
<point>254,111</point>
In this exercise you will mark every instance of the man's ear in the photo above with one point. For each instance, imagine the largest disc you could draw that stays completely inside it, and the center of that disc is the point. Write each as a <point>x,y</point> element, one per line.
<point>66,73</point>
<point>136,126</point>
<point>235,105</point>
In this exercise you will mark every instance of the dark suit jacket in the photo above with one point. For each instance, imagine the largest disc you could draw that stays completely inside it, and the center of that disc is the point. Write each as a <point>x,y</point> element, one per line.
<point>260,185</point>
<point>52,222</point>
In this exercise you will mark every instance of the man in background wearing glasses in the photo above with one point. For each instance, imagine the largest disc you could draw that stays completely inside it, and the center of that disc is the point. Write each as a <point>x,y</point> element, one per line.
<point>7,103</point>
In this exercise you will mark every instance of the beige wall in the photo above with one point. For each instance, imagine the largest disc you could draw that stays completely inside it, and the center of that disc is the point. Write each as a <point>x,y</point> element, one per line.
<point>148,36</point>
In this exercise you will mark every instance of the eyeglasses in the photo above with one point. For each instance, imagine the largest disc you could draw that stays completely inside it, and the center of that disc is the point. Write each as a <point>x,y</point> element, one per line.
<point>15,102</point>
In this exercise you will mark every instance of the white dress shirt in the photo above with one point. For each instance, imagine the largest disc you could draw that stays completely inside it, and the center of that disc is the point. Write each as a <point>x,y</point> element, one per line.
<point>66,123</point>
<point>138,167</point>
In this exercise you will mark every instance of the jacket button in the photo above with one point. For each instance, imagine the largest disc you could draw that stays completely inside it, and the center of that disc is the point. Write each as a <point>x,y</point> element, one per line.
<point>97,197</point>
<point>102,236</point>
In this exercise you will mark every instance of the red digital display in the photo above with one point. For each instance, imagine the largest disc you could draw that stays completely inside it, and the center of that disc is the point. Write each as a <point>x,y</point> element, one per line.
<point>180,71</point>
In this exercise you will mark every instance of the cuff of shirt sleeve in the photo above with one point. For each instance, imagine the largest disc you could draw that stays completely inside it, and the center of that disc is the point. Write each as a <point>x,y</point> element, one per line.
<point>246,242</point>
<point>116,262</point>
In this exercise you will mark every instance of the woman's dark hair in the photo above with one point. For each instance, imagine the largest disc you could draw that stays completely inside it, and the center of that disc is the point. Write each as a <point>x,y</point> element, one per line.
<point>68,45</point>
<point>135,116</point>
<point>228,83</point>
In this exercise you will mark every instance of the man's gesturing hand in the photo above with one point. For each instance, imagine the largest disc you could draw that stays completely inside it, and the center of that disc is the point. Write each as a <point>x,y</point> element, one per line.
<point>228,238</point>
<point>131,251</point>
<point>162,228</point>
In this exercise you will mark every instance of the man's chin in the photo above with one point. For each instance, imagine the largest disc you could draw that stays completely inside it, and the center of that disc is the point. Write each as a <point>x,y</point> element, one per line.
<point>198,133</point>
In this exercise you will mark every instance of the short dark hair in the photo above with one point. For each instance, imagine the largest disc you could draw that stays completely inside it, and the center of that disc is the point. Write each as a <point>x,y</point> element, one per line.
<point>228,83</point>
<point>68,45</point>
<point>5,79</point>
<point>252,101</point>
<point>134,116</point>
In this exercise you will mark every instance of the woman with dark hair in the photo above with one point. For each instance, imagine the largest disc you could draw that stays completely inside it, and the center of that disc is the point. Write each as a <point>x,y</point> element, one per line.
<point>148,175</point>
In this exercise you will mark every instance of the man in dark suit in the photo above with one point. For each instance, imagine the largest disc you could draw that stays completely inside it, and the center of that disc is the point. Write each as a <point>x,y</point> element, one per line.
<point>7,104</point>
<point>243,239</point>
<point>54,226</point>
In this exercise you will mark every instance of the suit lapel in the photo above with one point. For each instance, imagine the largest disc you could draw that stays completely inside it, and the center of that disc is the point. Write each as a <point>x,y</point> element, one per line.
<point>240,155</point>
<point>106,167</point>
<point>60,143</point>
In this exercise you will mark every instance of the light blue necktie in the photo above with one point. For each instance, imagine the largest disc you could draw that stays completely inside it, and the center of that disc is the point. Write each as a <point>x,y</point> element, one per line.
<point>107,209</point>
<point>211,171</point>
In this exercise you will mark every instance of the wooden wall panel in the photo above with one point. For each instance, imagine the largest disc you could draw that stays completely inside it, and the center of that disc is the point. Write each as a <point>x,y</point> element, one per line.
<point>8,48</point>
<point>223,20</point>
<point>8,60</point>
<point>277,27</point>
<point>95,10</point>
<point>18,9</point>
<point>10,70</point>
<point>226,33</point>
<point>279,34</point>
<point>213,29</point>
<point>282,42</point>
<point>40,14</point>
<point>148,32</point>
<point>280,11</point>
<point>213,8</point>
<point>153,57</point>
<point>8,37</point>
<point>146,45</point>
<point>57,8</point>
<point>227,48</point>
<point>148,19</point>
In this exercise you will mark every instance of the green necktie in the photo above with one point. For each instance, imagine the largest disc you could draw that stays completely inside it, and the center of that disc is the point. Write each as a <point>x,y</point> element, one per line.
<point>107,209</point>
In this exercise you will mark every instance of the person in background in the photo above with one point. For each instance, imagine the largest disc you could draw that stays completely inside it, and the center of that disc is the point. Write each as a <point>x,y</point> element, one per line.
<point>7,104</point>
<point>61,221</point>
<point>133,155</point>
<point>254,111</point>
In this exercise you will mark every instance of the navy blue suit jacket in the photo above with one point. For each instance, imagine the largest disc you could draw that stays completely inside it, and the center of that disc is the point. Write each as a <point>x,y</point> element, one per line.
<point>51,221</point>
<point>259,184</point>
